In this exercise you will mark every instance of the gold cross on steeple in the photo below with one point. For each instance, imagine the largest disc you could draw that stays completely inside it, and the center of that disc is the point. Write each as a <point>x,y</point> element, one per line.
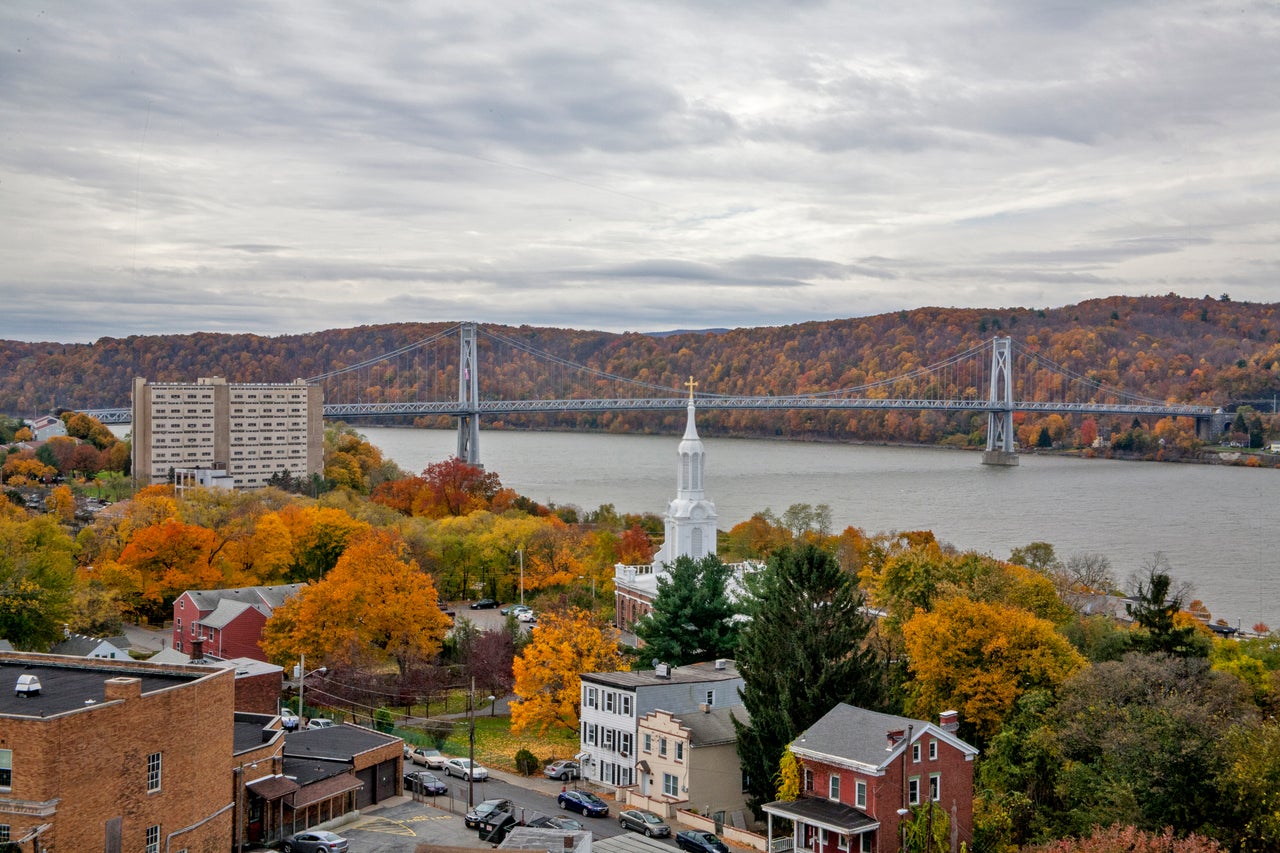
<point>691,385</point>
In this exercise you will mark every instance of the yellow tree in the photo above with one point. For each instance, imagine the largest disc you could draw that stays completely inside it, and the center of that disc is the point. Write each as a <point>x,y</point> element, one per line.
<point>547,684</point>
<point>978,658</point>
<point>374,605</point>
<point>62,504</point>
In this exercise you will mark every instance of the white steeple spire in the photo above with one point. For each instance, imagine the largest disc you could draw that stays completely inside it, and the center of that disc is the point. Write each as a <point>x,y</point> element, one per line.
<point>691,518</point>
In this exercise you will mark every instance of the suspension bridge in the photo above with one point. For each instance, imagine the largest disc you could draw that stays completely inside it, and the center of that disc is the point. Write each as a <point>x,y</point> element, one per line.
<point>997,377</point>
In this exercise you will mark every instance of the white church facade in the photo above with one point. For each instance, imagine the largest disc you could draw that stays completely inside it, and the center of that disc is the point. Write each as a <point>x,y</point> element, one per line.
<point>690,530</point>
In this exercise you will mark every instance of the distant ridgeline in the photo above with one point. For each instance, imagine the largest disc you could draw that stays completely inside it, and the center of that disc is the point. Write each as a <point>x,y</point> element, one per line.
<point>1208,351</point>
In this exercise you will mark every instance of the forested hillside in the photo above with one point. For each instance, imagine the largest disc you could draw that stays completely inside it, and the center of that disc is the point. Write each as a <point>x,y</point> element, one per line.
<point>1210,350</point>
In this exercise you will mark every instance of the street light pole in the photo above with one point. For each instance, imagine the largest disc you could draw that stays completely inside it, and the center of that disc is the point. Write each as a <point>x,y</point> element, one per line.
<point>302,679</point>
<point>521,553</point>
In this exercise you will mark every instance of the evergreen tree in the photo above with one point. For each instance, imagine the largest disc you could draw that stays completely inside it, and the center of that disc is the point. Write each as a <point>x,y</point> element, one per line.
<point>693,619</point>
<point>801,652</point>
<point>1154,610</point>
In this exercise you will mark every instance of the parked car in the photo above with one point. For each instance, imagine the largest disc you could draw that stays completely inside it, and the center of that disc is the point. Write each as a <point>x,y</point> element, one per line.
<point>314,841</point>
<point>696,841</point>
<point>424,782</point>
<point>639,820</point>
<point>513,609</point>
<point>564,770</point>
<point>584,803</point>
<point>484,604</point>
<point>427,757</point>
<point>288,720</point>
<point>321,723</point>
<point>464,768</point>
<point>527,616</point>
<point>484,810</point>
<point>544,822</point>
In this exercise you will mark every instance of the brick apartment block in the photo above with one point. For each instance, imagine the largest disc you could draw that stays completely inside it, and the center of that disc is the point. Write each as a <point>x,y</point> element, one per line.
<point>115,755</point>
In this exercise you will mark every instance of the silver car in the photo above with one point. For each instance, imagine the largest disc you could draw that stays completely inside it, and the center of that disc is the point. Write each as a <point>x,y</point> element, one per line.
<point>640,820</point>
<point>315,841</point>
<point>465,768</point>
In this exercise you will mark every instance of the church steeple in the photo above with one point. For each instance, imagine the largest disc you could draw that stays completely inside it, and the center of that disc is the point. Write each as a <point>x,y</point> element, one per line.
<point>691,518</point>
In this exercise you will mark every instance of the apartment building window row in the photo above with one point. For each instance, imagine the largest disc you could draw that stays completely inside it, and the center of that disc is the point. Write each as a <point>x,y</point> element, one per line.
<point>607,738</point>
<point>609,701</point>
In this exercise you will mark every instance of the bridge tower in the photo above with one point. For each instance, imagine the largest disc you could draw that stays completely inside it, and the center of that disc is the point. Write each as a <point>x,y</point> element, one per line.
<point>1000,416</point>
<point>468,398</point>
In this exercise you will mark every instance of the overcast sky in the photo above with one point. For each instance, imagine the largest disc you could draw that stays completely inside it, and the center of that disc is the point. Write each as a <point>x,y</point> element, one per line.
<point>277,167</point>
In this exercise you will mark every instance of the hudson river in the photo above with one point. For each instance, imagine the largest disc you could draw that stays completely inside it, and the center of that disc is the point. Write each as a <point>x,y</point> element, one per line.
<point>1218,526</point>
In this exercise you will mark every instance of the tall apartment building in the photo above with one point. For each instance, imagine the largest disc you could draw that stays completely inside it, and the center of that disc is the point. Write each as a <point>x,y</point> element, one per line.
<point>251,431</point>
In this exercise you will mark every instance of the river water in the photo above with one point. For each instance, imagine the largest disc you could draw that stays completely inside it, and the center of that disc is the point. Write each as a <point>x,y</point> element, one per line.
<point>1218,526</point>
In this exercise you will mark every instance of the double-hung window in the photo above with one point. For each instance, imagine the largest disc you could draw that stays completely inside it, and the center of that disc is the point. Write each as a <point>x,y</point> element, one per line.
<point>670,785</point>
<point>625,701</point>
<point>648,742</point>
<point>6,768</point>
<point>608,701</point>
<point>153,772</point>
<point>662,747</point>
<point>935,787</point>
<point>153,838</point>
<point>933,750</point>
<point>679,750</point>
<point>590,699</point>
<point>860,794</point>
<point>833,787</point>
<point>913,790</point>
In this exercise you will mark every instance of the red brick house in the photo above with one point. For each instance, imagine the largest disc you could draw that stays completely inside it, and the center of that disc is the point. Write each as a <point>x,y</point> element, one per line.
<point>228,620</point>
<point>861,773</point>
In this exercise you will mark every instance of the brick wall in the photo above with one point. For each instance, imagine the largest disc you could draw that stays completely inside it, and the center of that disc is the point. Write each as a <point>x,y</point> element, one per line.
<point>94,761</point>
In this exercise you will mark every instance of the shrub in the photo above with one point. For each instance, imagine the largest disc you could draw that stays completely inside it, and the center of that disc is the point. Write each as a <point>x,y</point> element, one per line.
<point>438,731</point>
<point>383,721</point>
<point>526,762</point>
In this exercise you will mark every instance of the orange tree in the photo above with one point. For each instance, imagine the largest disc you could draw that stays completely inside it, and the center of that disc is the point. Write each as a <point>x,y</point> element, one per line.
<point>547,685</point>
<point>373,606</point>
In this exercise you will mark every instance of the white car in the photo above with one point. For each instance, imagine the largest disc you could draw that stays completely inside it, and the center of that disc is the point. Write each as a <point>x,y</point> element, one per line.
<point>288,720</point>
<point>465,768</point>
<point>527,616</point>
<point>321,723</point>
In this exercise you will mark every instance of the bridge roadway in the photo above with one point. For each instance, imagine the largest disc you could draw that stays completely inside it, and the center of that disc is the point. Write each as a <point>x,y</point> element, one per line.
<point>499,407</point>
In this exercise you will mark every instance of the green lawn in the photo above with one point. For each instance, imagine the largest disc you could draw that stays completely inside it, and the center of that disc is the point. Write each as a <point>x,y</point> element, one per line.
<point>496,746</point>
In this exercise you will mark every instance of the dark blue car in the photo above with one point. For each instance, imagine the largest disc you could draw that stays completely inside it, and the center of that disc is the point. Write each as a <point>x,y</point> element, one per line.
<point>583,802</point>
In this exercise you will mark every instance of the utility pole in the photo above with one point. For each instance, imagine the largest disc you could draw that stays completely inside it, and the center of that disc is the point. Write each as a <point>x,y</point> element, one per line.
<point>471,769</point>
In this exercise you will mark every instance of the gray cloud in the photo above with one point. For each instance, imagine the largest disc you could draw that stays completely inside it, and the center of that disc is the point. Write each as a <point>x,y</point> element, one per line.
<point>292,166</point>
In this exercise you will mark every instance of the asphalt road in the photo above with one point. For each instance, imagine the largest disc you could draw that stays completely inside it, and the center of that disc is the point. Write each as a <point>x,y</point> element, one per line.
<point>398,827</point>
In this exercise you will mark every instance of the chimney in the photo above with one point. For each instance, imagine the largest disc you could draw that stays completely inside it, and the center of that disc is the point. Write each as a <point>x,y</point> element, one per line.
<point>949,721</point>
<point>122,688</point>
<point>197,649</point>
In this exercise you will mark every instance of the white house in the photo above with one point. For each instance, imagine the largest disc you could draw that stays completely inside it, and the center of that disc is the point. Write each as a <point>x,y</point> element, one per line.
<point>614,702</point>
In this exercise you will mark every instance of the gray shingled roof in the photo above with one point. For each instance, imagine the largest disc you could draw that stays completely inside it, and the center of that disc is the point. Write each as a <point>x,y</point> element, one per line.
<point>692,673</point>
<point>713,727</point>
<point>227,610</point>
<point>861,736</point>
<point>335,743</point>
<point>270,596</point>
<point>78,645</point>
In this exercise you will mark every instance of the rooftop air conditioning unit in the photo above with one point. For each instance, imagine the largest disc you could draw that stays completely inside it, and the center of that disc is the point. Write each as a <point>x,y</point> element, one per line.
<point>28,685</point>
<point>662,670</point>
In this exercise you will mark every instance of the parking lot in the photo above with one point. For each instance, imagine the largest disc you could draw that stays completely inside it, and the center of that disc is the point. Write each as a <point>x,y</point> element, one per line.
<point>399,825</point>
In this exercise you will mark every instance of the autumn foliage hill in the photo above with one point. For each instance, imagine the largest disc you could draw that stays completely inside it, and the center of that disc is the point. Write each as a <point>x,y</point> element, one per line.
<point>1208,350</point>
